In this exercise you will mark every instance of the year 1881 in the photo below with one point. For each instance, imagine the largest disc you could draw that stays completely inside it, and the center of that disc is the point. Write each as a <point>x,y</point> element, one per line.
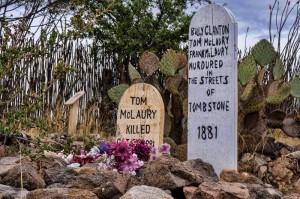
<point>207,132</point>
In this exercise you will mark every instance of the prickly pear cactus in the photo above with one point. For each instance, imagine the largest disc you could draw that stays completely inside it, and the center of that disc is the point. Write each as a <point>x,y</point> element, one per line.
<point>278,69</point>
<point>263,52</point>
<point>115,93</point>
<point>295,87</point>
<point>248,91</point>
<point>149,62</point>
<point>133,73</point>
<point>172,83</point>
<point>255,103</point>
<point>185,107</point>
<point>278,91</point>
<point>240,88</point>
<point>184,72</point>
<point>182,60</point>
<point>261,77</point>
<point>168,65</point>
<point>246,70</point>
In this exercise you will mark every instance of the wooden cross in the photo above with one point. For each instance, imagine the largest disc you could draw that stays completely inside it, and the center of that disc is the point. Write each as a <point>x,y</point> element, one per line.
<point>73,115</point>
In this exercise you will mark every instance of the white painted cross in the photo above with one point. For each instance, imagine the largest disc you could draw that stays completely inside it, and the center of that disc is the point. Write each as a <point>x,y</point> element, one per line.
<point>213,100</point>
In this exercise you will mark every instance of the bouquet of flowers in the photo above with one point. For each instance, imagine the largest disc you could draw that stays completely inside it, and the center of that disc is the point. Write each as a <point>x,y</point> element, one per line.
<point>129,157</point>
<point>119,156</point>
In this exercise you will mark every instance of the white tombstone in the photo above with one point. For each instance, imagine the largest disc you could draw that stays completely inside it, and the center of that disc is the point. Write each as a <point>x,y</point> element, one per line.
<point>213,100</point>
<point>141,115</point>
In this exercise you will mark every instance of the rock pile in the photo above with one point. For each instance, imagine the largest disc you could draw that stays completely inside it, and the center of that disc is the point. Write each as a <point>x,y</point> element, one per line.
<point>166,178</point>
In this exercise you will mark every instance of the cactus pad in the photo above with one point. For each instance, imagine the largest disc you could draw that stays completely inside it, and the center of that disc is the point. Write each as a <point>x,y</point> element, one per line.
<point>115,93</point>
<point>278,69</point>
<point>278,91</point>
<point>149,62</point>
<point>261,77</point>
<point>263,52</point>
<point>133,73</point>
<point>172,83</point>
<point>295,87</point>
<point>169,63</point>
<point>185,107</point>
<point>248,91</point>
<point>246,70</point>
<point>256,103</point>
<point>184,72</point>
<point>182,60</point>
<point>240,88</point>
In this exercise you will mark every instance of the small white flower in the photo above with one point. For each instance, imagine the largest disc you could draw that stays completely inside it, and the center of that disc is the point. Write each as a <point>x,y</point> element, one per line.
<point>112,157</point>
<point>115,170</point>
<point>133,173</point>
<point>134,155</point>
<point>141,163</point>
<point>74,165</point>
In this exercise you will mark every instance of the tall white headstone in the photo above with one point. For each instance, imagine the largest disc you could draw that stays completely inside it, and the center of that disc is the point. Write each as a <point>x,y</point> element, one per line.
<point>213,100</point>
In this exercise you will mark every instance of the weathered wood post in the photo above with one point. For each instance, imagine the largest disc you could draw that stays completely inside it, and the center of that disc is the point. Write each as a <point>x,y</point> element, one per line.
<point>213,100</point>
<point>73,114</point>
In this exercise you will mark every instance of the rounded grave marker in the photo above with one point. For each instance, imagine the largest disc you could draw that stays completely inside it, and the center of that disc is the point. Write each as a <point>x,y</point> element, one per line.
<point>141,114</point>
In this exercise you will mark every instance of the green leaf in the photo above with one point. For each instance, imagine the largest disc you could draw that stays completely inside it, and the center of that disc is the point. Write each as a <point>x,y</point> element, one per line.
<point>133,73</point>
<point>278,91</point>
<point>278,69</point>
<point>295,87</point>
<point>169,63</point>
<point>263,52</point>
<point>115,93</point>
<point>246,70</point>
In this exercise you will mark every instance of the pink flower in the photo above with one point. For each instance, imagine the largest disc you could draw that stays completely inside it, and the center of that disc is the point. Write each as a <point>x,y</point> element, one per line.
<point>141,149</point>
<point>111,148</point>
<point>165,148</point>
<point>122,151</point>
<point>153,157</point>
<point>132,164</point>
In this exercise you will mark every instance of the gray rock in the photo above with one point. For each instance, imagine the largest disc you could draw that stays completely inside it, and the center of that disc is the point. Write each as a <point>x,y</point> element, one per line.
<point>11,192</point>
<point>145,192</point>
<point>61,193</point>
<point>31,179</point>
<point>169,173</point>
<point>291,127</point>
<point>229,175</point>
<point>223,190</point>
<point>104,183</point>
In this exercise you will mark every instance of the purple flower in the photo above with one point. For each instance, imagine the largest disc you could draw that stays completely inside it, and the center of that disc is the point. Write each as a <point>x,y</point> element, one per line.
<point>122,151</point>
<point>165,148</point>
<point>103,147</point>
<point>132,164</point>
<point>141,149</point>
<point>153,157</point>
<point>82,152</point>
<point>111,148</point>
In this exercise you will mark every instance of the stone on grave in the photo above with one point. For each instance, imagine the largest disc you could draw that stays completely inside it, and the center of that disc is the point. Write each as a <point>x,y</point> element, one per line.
<point>141,114</point>
<point>213,101</point>
<point>73,115</point>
